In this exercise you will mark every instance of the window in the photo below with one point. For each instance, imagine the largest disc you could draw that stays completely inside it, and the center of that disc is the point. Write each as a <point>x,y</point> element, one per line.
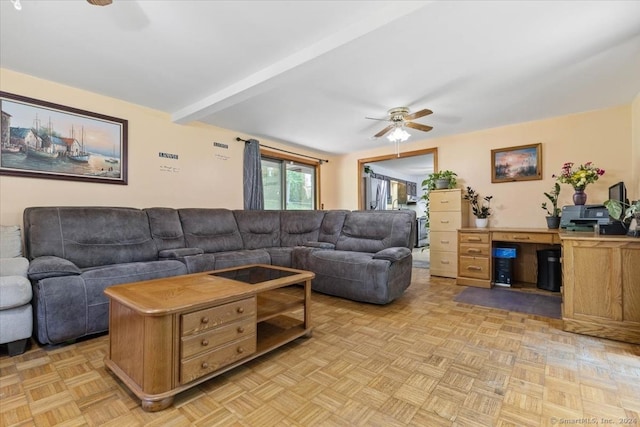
<point>288,184</point>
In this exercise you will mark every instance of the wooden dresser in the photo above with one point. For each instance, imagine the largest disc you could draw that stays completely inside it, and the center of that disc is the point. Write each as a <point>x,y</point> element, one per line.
<point>447,213</point>
<point>601,285</point>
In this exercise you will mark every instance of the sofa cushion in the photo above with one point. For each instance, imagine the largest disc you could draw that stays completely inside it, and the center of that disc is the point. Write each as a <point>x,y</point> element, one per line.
<point>299,227</point>
<point>259,229</point>
<point>15,291</point>
<point>14,266</point>
<point>332,224</point>
<point>166,229</point>
<point>242,257</point>
<point>373,232</point>
<point>89,236</point>
<point>212,230</point>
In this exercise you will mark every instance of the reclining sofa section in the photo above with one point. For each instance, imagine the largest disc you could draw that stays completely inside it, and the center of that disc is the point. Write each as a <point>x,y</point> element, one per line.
<point>75,253</point>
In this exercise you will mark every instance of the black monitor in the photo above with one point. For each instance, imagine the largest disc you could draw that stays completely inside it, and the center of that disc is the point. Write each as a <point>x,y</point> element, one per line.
<point>618,192</point>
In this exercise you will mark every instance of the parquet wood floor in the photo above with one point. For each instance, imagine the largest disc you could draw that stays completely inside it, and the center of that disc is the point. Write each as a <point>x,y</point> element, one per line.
<point>423,360</point>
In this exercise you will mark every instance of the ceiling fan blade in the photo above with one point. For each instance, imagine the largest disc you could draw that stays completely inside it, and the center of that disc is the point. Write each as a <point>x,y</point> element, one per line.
<point>418,114</point>
<point>100,2</point>
<point>373,118</point>
<point>418,126</point>
<point>383,131</point>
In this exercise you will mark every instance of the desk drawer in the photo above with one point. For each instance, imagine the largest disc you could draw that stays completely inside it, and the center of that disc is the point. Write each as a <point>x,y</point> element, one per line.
<point>474,237</point>
<point>215,316</point>
<point>474,249</point>
<point>476,267</point>
<point>502,236</point>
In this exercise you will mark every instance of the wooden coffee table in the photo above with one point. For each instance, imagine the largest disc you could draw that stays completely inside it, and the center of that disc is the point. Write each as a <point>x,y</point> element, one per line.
<point>168,335</point>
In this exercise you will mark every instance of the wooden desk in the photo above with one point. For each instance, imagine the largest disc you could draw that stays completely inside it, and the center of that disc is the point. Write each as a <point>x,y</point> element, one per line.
<point>475,247</point>
<point>601,285</point>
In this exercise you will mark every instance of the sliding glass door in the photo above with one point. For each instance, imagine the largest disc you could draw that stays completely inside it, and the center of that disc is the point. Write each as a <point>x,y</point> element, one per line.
<point>288,184</point>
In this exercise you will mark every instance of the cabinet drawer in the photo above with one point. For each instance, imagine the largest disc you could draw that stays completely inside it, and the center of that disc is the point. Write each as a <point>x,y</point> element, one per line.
<point>444,263</point>
<point>474,249</point>
<point>476,267</point>
<point>474,237</point>
<point>445,221</point>
<point>218,358</point>
<point>215,316</point>
<point>440,201</point>
<point>443,241</point>
<point>503,236</point>
<point>194,344</point>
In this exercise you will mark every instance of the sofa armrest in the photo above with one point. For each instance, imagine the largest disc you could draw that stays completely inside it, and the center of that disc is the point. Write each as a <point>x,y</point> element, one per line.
<point>14,266</point>
<point>392,254</point>
<point>51,266</point>
<point>179,253</point>
<point>320,245</point>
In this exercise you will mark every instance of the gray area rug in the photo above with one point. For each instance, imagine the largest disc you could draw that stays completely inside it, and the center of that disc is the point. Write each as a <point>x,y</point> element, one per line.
<point>512,300</point>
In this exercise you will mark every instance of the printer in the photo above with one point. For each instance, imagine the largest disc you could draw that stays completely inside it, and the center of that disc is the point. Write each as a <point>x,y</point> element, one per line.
<point>583,217</point>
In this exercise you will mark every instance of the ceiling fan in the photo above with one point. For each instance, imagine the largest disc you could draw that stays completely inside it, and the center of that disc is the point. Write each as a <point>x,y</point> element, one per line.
<point>402,116</point>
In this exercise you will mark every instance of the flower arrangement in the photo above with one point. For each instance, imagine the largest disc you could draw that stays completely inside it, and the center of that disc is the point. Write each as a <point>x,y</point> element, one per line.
<point>580,177</point>
<point>480,209</point>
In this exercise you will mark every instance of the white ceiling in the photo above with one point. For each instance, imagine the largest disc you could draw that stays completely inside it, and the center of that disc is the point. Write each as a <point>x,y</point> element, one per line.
<point>308,72</point>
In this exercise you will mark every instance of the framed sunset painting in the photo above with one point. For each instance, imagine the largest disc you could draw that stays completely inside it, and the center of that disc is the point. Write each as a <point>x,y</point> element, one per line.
<point>521,163</point>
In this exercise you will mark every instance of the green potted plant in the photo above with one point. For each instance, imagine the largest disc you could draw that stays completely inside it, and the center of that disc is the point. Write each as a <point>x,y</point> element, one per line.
<point>627,214</point>
<point>440,180</point>
<point>553,214</point>
<point>481,209</point>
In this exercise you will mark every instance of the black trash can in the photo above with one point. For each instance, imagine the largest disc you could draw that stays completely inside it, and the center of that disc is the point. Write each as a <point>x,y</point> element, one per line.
<point>549,270</point>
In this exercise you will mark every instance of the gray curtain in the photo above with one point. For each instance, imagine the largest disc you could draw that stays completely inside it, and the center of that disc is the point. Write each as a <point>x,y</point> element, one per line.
<point>253,191</point>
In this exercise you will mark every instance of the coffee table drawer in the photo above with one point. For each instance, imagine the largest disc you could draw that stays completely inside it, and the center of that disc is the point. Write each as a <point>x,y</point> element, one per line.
<point>215,316</point>
<point>218,358</point>
<point>205,341</point>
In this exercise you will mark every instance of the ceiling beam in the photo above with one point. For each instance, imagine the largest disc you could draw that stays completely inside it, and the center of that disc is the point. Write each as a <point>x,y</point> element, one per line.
<point>263,79</point>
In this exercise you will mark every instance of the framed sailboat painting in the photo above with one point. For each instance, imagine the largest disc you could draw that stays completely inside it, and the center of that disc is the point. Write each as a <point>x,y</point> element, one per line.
<point>41,139</point>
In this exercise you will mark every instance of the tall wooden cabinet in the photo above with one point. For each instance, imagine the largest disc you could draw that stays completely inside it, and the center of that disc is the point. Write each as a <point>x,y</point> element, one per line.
<point>447,213</point>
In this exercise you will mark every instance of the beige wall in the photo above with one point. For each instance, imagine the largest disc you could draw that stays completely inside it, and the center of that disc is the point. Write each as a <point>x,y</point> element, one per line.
<point>205,176</point>
<point>604,137</point>
<point>210,177</point>
<point>635,155</point>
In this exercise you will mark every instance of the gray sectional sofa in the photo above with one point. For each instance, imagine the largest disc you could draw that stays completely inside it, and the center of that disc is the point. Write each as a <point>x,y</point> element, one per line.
<point>77,252</point>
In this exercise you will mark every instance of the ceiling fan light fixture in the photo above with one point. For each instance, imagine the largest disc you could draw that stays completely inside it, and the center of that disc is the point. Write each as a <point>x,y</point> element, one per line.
<point>398,135</point>
<point>16,4</point>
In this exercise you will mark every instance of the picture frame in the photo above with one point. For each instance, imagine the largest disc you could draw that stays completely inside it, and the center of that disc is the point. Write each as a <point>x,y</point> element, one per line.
<point>520,163</point>
<point>41,139</point>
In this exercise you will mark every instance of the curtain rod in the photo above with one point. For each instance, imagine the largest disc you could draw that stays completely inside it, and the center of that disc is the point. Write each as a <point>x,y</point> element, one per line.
<point>290,152</point>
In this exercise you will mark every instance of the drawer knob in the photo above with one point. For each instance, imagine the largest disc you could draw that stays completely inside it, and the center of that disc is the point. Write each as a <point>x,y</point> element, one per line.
<point>474,268</point>
<point>205,343</point>
<point>521,237</point>
<point>204,320</point>
<point>444,201</point>
<point>240,310</point>
<point>240,350</point>
<point>473,250</point>
<point>204,365</point>
<point>240,329</point>
<point>444,221</point>
<point>444,241</point>
<point>474,239</point>
<point>444,261</point>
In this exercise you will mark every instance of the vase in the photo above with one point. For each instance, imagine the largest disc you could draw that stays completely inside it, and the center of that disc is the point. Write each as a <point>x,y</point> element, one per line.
<point>579,197</point>
<point>482,222</point>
